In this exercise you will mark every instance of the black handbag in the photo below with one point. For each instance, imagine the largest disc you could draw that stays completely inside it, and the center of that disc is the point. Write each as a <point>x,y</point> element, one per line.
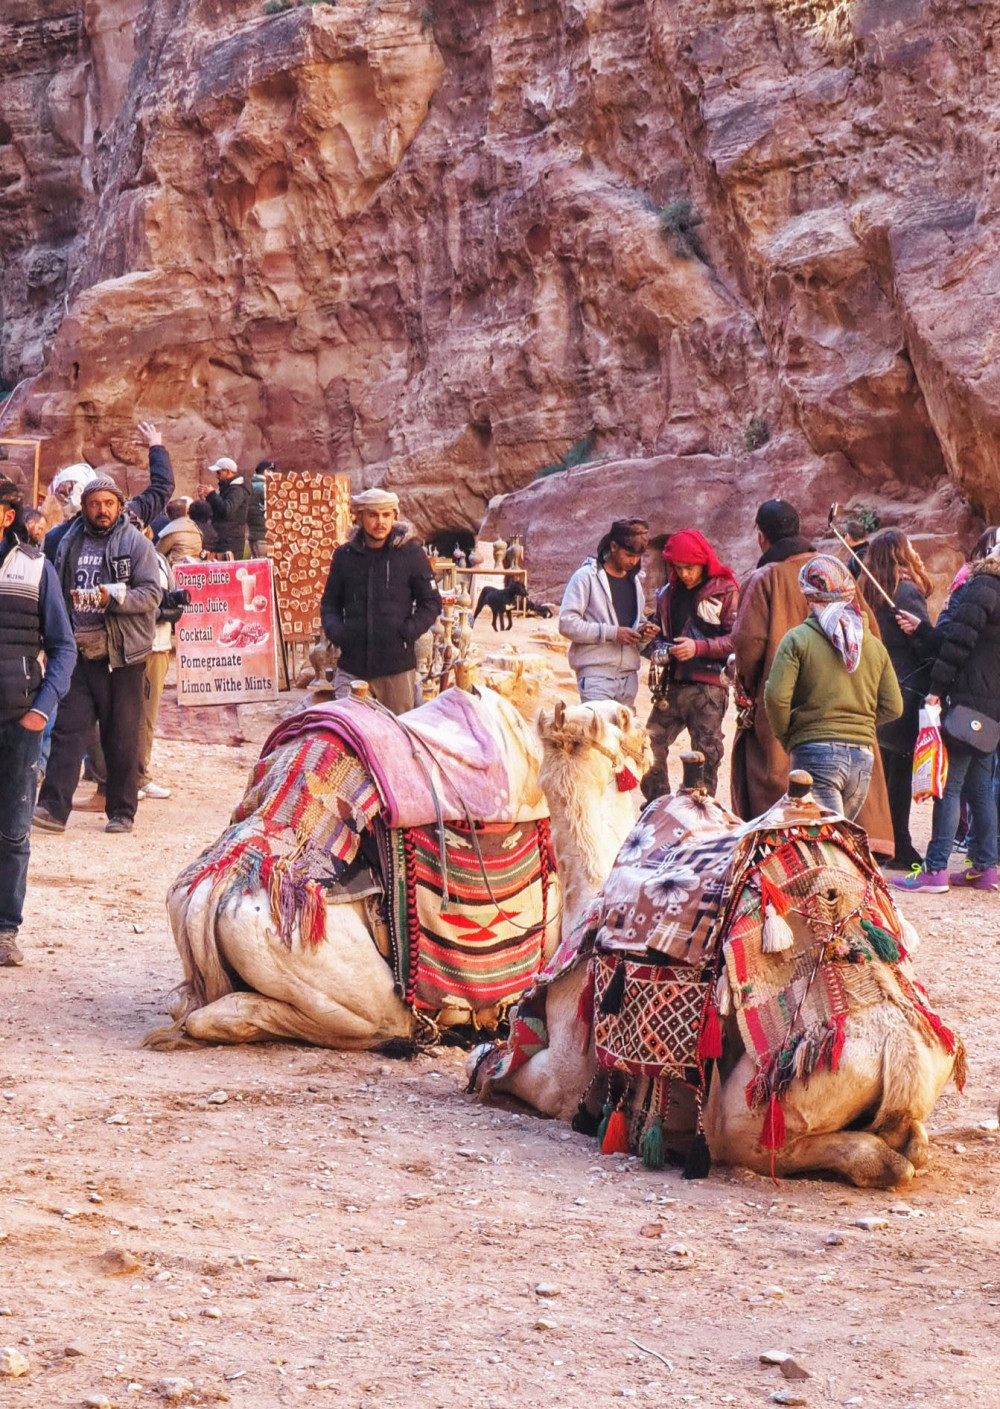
<point>972,729</point>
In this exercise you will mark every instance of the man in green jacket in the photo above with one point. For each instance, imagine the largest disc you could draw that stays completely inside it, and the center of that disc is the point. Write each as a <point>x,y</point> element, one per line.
<point>830,686</point>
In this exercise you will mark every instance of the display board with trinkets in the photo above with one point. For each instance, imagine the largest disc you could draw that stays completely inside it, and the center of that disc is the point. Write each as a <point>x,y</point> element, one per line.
<point>307,515</point>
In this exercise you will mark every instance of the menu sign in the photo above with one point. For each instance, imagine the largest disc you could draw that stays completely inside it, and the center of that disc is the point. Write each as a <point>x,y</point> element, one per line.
<point>225,638</point>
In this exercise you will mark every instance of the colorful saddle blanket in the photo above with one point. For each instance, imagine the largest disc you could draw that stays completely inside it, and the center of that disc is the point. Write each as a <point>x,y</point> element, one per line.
<point>460,756</point>
<point>467,923</point>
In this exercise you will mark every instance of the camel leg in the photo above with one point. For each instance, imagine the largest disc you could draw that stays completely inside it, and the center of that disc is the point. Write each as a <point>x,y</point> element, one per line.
<point>555,1078</point>
<point>863,1159</point>
<point>251,1017</point>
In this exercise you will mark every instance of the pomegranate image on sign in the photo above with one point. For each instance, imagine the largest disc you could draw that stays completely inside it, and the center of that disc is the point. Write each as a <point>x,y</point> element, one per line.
<point>243,633</point>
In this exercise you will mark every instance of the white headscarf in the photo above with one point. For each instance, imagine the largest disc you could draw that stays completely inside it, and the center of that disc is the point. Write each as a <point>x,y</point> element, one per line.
<point>79,476</point>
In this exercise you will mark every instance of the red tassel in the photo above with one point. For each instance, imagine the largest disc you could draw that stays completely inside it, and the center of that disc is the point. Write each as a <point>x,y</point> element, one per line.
<point>840,1037</point>
<point>616,1136</point>
<point>626,780</point>
<point>772,1137</point>
<point>771,895</point>
<point>710,1037</point>
<point>944,1034</point>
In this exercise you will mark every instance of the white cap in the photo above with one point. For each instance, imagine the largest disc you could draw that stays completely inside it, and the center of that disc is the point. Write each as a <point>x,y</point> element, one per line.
<point>222,463</point>
<point>375,499</point>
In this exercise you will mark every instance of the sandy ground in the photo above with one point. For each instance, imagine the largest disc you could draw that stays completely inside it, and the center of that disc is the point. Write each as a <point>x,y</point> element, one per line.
<point>349,1230</point>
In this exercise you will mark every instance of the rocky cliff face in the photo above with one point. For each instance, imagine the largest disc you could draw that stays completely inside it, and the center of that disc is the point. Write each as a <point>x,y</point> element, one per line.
<point>451,242</point>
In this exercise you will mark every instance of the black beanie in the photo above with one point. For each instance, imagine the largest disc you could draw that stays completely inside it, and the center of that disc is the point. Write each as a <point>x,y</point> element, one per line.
<point>776,519</point>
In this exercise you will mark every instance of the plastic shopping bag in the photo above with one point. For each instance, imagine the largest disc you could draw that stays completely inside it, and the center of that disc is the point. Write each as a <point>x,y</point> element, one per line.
<point>930,758</point>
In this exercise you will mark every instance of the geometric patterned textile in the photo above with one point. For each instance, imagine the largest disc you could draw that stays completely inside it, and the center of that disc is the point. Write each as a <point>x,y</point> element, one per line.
<point>482,945</point>
<point>655,1033</point>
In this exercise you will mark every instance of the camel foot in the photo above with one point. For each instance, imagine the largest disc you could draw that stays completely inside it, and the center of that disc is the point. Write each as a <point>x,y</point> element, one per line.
<point>859,1157</point>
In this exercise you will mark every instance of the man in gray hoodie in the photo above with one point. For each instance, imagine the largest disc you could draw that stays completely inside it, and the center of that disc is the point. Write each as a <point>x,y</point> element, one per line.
<point>603,615</point>
<point>111,585</point>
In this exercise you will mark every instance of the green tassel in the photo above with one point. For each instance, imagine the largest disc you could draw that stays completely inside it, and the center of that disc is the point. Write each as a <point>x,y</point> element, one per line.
<point>882,942</point>
<point>603,1126</point>
<point>652,1145</point>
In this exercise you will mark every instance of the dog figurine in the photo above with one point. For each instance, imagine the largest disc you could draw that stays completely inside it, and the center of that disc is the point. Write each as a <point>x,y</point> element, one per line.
<point>500,602</point>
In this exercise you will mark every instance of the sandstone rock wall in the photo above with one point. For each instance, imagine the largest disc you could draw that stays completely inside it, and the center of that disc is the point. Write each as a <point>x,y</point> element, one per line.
<point>450,241</point>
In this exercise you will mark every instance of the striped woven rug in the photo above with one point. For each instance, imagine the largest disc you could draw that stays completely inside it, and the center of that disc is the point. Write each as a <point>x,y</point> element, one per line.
<point>481,945</point>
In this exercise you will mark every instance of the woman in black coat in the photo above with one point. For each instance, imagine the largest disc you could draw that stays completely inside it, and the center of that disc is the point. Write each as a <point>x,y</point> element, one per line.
<point>896,566</point>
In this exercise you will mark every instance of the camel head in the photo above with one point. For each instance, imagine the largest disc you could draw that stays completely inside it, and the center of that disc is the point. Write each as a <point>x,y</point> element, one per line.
<point>604,735</point>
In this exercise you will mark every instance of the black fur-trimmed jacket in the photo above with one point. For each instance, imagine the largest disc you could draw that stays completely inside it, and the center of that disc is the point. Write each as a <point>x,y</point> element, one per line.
<point>967,669</point>
<point>377,602</point>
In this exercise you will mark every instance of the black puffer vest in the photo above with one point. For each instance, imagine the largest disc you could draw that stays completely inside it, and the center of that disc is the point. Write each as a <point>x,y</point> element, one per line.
<point>21,643</point>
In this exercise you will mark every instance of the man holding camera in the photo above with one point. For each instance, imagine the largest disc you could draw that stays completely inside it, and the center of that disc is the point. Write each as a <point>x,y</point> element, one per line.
<point>695,613</point>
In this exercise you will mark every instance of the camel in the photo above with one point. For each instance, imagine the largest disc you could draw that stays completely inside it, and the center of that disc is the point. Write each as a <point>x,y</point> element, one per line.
<point>860,1117</point>
<point>244,984</point>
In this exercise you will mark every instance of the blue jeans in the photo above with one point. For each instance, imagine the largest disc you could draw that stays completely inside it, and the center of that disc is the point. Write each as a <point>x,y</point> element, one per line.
<point>972,772</point>
<point>606,685</point>
<point>19,750</point>
<point>841,773</point>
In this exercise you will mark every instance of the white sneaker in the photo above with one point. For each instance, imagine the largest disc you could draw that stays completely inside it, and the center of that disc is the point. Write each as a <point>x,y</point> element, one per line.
<point>154,791</point>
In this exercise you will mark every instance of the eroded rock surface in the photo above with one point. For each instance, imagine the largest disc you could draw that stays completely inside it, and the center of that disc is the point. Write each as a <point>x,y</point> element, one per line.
<point>451,242</point>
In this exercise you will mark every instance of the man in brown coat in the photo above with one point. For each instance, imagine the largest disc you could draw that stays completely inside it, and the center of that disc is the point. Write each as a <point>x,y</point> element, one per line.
<point>771,604</point>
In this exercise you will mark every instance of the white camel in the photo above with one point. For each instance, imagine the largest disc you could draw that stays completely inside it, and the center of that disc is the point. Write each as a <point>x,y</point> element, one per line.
<point>243,984</point>
<point>863,1121</point>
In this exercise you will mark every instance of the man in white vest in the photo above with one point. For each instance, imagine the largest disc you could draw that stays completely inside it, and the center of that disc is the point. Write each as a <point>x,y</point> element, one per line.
<point>33,619</point>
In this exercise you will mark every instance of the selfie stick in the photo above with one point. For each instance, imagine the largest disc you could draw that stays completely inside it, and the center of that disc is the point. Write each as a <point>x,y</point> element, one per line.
<point>833,527</point>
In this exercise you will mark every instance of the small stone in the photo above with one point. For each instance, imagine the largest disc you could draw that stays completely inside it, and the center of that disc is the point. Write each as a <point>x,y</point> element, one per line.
<point>871,1222</point>
<point>792,1370</point>
<point>212,1313</point>
<point>174,1388</point>
<point>652,1230</point>
<point>178,1315</point>
<point>777,1293</point>
<point>774,1357</point>
<point>218,1098</point>
<point>118,1119</point>
<point>787,1396</point>
<point>138,929</point>
<point>283,1276</point>
<point>6,1311</point>
<point>959,1149</point>
<point>901,1210</point>
<point>833,1240</point>
<point>97,1401</point>
<point>543,1325</point>
<point>548,1289</point>
<point>94,1197</point>
<point>71,1351</point>
<point>12,1363</point>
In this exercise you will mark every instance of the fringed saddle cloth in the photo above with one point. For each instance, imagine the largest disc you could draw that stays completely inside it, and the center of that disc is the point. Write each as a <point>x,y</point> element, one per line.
<point>812,935</point>
<point>296,834</point>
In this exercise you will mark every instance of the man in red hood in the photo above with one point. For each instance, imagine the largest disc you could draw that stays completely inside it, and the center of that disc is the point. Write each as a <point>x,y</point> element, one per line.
<point>695,612</point>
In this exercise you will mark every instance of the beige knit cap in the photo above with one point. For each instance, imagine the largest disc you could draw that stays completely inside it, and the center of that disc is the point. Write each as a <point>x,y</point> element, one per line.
<point>375,499</point>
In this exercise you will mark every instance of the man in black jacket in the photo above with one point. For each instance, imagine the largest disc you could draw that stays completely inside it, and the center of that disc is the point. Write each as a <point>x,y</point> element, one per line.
<point>32,620</point>
<point>966,672</point>
<point>379,597</point>
<point>230,506</point>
